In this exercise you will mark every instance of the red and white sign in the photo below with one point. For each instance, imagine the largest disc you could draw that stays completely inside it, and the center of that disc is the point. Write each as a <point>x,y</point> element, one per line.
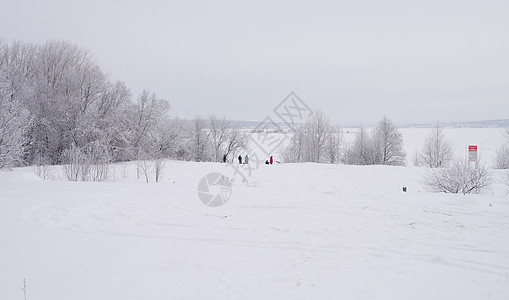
<point>472,152</point>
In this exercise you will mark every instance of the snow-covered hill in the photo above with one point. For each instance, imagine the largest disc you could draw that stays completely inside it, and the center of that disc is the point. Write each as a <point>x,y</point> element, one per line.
<point>292,231</point>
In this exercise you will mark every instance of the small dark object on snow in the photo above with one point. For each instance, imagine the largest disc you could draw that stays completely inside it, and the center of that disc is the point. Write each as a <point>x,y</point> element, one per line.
<point>404,189</point>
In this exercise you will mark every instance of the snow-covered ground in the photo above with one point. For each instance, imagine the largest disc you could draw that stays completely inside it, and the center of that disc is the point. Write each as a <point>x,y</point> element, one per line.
<point>292,231</point>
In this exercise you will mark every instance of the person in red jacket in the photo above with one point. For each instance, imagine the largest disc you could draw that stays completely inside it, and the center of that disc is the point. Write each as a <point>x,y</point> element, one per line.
<point>271,160</point>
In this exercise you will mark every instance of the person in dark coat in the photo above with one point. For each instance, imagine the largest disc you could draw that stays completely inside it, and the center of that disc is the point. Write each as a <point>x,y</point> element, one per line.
<point>240,159</point>
<point>224,158</point>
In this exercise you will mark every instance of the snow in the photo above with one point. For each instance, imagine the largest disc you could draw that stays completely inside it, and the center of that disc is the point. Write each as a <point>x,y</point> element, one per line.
<point>293,231</point>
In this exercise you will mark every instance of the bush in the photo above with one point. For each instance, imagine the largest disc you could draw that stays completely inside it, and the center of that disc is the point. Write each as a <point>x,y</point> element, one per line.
<point>462,177</point>
<point>505,178</point>
<point>43,169</point>
<point>91,164</point>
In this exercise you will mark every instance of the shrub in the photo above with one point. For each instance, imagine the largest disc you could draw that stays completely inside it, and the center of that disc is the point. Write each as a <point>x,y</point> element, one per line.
<point>462,177</point>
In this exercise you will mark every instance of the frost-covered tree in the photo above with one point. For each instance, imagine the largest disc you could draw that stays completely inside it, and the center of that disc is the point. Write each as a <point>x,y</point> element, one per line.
<point>113,120</point>
<point>388,144</point>
<point>14,121</point>
<point>361,151</point>
<point>293,152</point>
<point>148,113</point>
<point>200,140</point>
<point>317,133</point>
<point>57,110</point>
<point>334,144</point>
<point>71,104</point>
<point>219,131</point>
<point>14,118</point>
<point>314,141</point>
<point>437,150</point>
<point>502,158</point>
<point>176,140</point>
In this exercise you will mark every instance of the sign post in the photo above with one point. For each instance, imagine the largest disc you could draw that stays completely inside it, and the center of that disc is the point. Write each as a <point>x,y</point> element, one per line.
<point>472,152</point>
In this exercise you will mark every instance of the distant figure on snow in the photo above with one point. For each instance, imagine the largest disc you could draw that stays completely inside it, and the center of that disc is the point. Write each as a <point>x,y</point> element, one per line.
<point>246,159</point>
<point>266,162</point>
<point>224,158</point>
<point>240,159</point>
<point>271,160</point>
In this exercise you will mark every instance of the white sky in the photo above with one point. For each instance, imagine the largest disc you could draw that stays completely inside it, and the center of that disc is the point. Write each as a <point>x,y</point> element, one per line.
<point>414,61</point>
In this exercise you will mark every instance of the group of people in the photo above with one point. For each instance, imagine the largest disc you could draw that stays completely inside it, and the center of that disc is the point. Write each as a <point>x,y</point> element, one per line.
<point>245,160</point>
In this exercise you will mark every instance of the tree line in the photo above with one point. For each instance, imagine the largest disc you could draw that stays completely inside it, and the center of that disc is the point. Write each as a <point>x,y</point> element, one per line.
<point>319,141</point>
<point>58,106</point>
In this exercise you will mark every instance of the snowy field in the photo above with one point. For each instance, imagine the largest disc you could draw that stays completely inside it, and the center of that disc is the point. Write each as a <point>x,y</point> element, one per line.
<point>292,231</point>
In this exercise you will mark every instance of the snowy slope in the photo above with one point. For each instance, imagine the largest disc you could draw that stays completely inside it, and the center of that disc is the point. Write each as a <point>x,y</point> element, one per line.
<point>294,231</point>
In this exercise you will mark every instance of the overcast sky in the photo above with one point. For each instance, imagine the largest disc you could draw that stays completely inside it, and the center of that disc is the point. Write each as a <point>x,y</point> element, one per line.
<point>413,61</point>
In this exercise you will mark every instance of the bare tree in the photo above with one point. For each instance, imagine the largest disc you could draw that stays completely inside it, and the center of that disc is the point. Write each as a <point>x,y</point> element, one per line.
<point>388,144</point>
<point>315,141</point>
<point>334,144</point>
<point>13,128</point>
<point>505,178</point>
<point>24,288</point>
<point>462,177</point>
<point>146,167</point>
<point>437,150</point>
<point>159,165</point>
<point>173,139</point>
<point>57,97</point>
<point>236,140</point>
<point>293,152</point>
<point>14,118</point>
<point>43,170</point>
<point>416,159</point>
<point>74,160</point>
<point>148,112</point>
<point>219,131</point>
<point>502,158</point>
<point>98,160</point>
<point>361,151</point>
<point>201,139</point>
<point>317,133</point>
<point>113,121</point>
